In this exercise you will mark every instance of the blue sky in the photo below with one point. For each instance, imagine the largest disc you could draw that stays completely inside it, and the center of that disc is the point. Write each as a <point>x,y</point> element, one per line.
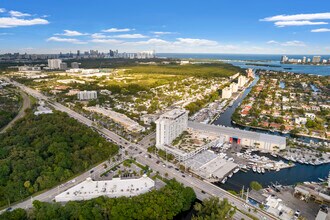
<point>214,26</point>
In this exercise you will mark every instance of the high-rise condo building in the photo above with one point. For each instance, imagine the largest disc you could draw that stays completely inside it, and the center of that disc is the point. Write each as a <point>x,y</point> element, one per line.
<point>316,59</point>
<point>87,95</point>
<point>226,92</point>
<point>170,125</point>
<point>284,59</point>
<point>54,64</point>
<point>241,81</point>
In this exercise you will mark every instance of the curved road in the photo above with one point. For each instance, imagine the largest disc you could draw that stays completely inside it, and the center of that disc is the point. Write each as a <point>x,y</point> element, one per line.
<point>26,104</point>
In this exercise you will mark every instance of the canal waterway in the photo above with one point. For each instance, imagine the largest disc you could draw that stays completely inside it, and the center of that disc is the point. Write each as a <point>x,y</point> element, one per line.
<point>289,176</point>
<point>225,117</point>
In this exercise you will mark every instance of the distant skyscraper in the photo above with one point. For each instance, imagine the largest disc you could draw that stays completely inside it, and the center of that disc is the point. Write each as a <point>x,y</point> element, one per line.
<point>145,55</point>
<point>78,53</point>
<point>249,73</point>
<point>316,59</point>
<point>111,53</point>
<point>284,59</point>
<point>54,63</point>
<point>74,65</point>
<point>304,60</point>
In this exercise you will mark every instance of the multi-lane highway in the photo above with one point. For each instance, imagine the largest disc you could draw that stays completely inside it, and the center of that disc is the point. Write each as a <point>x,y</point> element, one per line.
<point>203,189</point>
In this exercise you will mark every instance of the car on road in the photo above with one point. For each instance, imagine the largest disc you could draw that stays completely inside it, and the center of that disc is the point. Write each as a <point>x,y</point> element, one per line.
<point>203,192</point>
<point>296,214</point>
<point>183,176</point>
<point>92,171</point>
<point>9,209</point>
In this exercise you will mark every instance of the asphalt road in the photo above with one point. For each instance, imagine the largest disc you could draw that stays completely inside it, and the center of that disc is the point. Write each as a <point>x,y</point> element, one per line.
<point>197,184</point>
<point>25,105</point>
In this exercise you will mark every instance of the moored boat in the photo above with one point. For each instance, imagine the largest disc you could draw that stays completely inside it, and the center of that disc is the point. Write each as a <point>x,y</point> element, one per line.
<point>258,170</point>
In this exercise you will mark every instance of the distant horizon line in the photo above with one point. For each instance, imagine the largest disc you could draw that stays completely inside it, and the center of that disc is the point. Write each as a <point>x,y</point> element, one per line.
<point>204,53</point>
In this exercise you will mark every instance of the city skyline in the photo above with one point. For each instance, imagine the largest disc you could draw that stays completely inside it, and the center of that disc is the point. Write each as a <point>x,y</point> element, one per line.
<point>188,27</point>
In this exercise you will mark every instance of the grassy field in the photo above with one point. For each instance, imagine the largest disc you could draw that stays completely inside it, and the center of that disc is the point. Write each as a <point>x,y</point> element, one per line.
<point>212,69</point>
<point>143,79</point>
<point>198,70</point>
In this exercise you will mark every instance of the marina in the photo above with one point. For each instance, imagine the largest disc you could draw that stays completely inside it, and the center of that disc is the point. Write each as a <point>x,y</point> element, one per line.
<point>295,174</point>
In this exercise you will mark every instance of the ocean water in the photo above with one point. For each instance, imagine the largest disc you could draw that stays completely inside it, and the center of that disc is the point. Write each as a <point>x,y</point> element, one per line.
<point>243,60</point>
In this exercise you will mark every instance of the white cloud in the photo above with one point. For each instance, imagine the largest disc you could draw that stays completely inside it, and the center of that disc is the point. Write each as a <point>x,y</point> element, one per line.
<point>129,36</point>
<point>293,43</point>
<point>195,42</point>
<point>161,32</point>
<point>121,36</point>
<point>2,10</point>
<point>18,14</point>
<point>321,30</point>
<point>272,42</point>
<point>115,30</point>
<point>298,23</point>
<point>71,33</point>
<point>106,41</point>
<point>66,40</point>
<point>298,17</point>
<point>98,36</point>
<point>9,22</point>
<point>150,42</point>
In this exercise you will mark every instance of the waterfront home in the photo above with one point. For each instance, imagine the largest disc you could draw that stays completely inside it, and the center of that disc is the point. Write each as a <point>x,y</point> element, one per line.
<point>301,120</point>
<point>275,125</point>
<point>310,116</point>
<point>316,108</point>
<point>325,106</point>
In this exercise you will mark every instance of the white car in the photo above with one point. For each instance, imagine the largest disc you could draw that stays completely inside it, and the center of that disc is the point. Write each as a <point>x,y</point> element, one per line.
<point>296,214</point>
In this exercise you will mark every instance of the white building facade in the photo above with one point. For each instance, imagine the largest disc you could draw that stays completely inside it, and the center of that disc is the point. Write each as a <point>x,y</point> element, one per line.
<point>241,81</point>
<point>170,125</point>
<point>234,87</point>
<point>54,63</point>
<point>116,187</point>
<point>87,95</point>
<point>226,93</point>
